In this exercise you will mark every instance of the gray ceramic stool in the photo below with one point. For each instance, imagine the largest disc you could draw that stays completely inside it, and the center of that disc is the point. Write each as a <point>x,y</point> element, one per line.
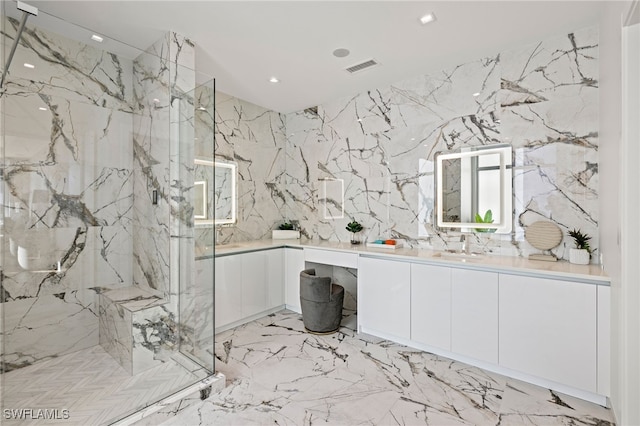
<point>321,302</point>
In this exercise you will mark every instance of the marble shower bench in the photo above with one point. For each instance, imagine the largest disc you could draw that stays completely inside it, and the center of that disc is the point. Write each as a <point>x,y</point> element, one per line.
<point>132,322</point>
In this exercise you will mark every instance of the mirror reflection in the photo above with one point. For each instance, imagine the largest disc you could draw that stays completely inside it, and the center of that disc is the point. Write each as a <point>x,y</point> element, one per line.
<point>474,189</point>
<point>215,196</point>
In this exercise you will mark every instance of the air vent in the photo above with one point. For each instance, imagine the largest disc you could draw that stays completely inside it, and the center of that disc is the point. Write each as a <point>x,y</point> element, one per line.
<point>362,66</point>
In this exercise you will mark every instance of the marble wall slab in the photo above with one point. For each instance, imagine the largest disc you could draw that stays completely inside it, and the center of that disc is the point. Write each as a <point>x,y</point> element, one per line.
<point>541,98</point>
<point>44,327</point>
<point>164,82</point>
<point>254,138</point>
<point>164,247</point>
<point>151,141</point>
<point>68,69</point>
<point>67,191</point>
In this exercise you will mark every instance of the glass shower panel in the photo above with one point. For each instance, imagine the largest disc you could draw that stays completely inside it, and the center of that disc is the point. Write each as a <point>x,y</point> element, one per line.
<point>197,235</point>
<point>87,262</point>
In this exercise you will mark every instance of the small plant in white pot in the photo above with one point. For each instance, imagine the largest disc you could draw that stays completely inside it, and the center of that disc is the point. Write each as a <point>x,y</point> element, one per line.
<point>581,254</point>
<point>285,231</point>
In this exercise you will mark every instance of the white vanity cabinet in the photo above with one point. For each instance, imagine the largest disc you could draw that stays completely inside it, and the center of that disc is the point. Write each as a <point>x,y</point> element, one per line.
<point>262,278</point>
<point>548,329</point>
<point>455,310</point>
<point>248,285</point>
<point>474,314</point>
<point>228,295</point>
<point>431,305</point>
<point>294,264</point>
<point>275,278</point>
<point>384,297</point>
<point>253,282</point>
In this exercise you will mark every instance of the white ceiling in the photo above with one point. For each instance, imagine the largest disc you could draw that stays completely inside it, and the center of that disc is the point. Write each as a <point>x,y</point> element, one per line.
<point>243,43</point>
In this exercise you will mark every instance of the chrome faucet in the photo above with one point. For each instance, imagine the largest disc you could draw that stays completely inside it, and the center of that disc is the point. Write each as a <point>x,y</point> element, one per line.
<point>466,246</point>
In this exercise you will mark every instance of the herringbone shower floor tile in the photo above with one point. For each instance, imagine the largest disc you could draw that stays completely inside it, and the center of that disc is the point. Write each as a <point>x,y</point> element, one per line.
<point>91,385</point>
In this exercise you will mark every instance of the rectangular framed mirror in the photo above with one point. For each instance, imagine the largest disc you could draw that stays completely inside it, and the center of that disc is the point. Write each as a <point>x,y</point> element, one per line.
<point>215,193</point>
<point>474,189</point>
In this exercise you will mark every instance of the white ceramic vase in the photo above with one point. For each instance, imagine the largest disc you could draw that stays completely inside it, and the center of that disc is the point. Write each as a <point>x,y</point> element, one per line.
<point>579,256</point>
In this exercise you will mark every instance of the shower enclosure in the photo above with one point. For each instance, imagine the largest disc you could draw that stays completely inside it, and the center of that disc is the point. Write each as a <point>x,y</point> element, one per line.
<point>104,309</point>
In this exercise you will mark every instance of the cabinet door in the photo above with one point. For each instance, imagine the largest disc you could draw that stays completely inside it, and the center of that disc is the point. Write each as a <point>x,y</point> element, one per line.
<point>294,264</point>
<point>384,297</point>
<point>474,314</point>
<point>275,278</point>
<point>431,305</point>
<point>548,329</point>
<point>604,340</point>
<point>254,282</point>
<point>228,295</point>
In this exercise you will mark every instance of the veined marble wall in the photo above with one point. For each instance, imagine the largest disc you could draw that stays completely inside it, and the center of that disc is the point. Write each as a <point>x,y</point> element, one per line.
<point>67,193</point>
<point>167,124</point>
<point>161,81</point>
<point>541,98</point>
<point>88,137</point>
<point>195,288</point>
<point>255,139</point>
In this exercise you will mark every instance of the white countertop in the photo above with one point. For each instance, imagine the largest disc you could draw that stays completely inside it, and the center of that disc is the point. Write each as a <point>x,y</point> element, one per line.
<point>507,264</point>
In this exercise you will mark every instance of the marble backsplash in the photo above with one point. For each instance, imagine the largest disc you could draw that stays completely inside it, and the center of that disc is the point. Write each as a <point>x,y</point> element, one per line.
<point>255,139</point>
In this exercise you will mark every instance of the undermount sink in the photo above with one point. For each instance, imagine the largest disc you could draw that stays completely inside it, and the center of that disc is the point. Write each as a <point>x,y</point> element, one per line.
<point>459,255</point>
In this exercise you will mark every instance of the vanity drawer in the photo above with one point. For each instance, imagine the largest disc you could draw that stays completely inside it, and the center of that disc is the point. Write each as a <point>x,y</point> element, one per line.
<point>330,257</point>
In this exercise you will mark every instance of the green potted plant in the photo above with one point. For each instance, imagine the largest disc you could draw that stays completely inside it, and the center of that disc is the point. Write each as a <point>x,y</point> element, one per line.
<point>286,231</point>
<point>286,226</point>
<point>488,218</point>
<point>581,254</point>
<point>354,227</point>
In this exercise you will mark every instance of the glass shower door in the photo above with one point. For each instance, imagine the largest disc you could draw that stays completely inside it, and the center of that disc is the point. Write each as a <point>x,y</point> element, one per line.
<point>94,324</point>
<point>196,230</point>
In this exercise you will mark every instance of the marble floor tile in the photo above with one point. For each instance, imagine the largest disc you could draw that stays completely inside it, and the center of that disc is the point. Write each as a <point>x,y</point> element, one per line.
<point>527,404</point>
<point>279,374</point>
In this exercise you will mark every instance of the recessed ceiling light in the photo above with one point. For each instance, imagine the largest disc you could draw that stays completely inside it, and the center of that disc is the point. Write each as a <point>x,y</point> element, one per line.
<point>429,17</point>
<point>274,80</point>
<point>202,108</point>
<point>26,65</point>
<point>42,109</point>
<point>156,100</point>
<point>341,52</point>
<point>97,38</point>
<point>476,94</point>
